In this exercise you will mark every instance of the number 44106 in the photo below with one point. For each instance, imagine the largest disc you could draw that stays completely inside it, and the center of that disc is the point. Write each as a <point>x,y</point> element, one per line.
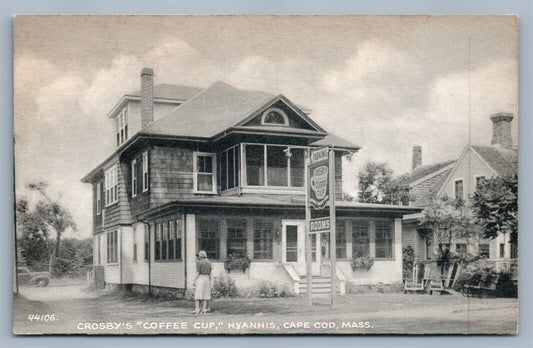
<point>42,317</point>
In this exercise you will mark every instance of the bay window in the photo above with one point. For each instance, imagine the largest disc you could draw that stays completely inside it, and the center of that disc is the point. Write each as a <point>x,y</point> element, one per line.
<point>229,168</point>
<point>112,247</point>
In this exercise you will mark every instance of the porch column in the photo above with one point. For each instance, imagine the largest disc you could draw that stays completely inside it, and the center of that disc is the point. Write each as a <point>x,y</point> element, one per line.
<point>190,248</point>
<point>398,247</point>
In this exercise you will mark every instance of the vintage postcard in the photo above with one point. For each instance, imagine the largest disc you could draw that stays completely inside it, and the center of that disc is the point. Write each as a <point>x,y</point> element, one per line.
<point>265,174</point>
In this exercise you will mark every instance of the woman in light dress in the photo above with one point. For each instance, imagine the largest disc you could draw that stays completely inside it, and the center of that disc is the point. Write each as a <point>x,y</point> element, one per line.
<point>202,284</point>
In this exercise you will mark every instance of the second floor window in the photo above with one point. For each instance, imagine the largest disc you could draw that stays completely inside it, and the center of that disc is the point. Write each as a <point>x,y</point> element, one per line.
<point>204,172</point>
<point>145,171</point>
<point>98,198</point>
<point>134,178</point>
<point>271,165</point>
<point>111,185</point>
<point>121,127</point>
<point>458,189</point>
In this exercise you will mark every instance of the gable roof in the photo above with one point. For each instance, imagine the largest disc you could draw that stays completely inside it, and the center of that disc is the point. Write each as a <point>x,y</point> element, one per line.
<point>168,91</point>
<point>503,161</point>
<point>212,111</point>
<point>427,170</point>
<point>336,142</point>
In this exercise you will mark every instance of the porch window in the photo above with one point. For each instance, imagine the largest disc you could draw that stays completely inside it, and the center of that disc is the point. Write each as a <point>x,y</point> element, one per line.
<point>274,165</point>
<point>277,166</point>
<point>158,239</point>
<point>177,227</point>
<point>340,239</point>
<point>383,239</point>
<point>147,243</point>
<point>255,165</point>
<point>236,237</point>
<point>484,250</point>
<point>263,239</point>
<point>112,247</point>
<point>229,168</point>
<point>164,241</point>
<point>204,172</point>
<point>360,238</point>
<point>209,238</point>
<point>297,167</point>
<point>171,239</point>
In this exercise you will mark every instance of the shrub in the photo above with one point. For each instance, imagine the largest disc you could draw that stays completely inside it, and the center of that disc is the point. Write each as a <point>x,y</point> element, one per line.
<point>408,257</point>
<point>224,287</point>
<point>267,289</point>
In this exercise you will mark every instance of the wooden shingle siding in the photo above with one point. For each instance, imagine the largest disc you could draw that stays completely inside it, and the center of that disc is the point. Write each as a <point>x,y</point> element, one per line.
<point>141,201</point>
<point>97,218</point>
<point>123,201</point>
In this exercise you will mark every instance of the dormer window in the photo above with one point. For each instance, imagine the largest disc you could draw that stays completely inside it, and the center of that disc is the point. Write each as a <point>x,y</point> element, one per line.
<point>274,117</point>
<point>121,127</point>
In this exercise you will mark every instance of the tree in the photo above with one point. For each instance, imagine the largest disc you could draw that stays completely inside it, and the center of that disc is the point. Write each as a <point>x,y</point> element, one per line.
<point>55,217</point>
<point>495,205</point>
<point>377,185</point>
<point>448,220</point>
<point>40,223</point>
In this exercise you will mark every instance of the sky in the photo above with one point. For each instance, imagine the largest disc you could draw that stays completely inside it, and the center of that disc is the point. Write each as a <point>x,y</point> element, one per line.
<point>385,83</point>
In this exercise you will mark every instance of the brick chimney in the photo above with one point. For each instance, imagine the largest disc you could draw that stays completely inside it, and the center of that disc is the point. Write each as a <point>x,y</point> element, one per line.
<point>501,129</point>
<point>417,156</point>
<point>147,97</point>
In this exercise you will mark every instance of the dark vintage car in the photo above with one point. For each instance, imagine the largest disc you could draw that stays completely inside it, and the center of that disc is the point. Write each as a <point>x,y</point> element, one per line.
<point>27,277</point>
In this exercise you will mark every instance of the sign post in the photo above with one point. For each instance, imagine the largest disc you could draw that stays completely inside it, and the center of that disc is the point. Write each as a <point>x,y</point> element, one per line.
<point>320,190</point>
<point>332,235</point>
<point>307,235</point>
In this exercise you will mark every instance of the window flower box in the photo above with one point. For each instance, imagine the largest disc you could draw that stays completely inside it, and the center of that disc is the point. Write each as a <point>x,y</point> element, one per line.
<point>362,262</point>
<point>236,262</point>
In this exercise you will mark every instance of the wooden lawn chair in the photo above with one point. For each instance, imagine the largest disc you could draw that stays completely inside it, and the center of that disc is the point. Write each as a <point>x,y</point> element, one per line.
<point>433,281</point>
<point>414,285</point>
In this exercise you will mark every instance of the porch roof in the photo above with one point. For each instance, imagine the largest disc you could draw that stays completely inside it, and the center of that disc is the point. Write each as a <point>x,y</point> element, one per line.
<point>275,202</point>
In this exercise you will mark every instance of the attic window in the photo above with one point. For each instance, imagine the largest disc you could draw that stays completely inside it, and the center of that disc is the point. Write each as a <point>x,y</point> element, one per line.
<point>274,116</point>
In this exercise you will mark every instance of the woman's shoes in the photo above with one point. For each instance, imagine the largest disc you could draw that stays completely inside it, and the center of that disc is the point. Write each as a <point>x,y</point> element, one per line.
<point>196,311</point>
<point>205,311</point>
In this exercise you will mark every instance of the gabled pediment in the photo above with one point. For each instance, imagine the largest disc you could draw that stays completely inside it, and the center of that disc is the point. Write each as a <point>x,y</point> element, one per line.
<point>280,112</point>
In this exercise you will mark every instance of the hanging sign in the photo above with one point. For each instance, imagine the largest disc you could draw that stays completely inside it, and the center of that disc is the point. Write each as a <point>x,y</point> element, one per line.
<point>319,178</point>
<point>319,225</point>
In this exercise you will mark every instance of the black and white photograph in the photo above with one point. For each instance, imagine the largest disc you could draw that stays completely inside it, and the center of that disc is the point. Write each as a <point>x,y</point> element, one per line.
<point>265,174</point>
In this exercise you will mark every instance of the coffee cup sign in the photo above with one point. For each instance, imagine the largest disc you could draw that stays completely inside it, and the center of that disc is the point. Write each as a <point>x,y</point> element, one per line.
<point>319,179</point>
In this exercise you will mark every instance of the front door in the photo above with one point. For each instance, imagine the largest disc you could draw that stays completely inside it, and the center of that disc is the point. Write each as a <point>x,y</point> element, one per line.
<point>293,246</point>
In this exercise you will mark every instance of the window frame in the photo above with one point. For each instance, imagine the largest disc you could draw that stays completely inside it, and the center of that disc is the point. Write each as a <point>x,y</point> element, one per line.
<point>288,148</point>
<point>341,243</point>
<point>476,179</point>
<point>145,177</point>
<point>391,238</point>
<point>223,168</point>
<point>354,223</point>
<point>134,183</point>
<point>455,181</point>
<point>98,198</point>
<point>111,185</point>
<point>237,224</point>
<point>121,126</point>
<point>217,238</point>
<point>279,111</point>
<point>486,246</point>
<point>112,247</point>
<point>147,243</point>
<point>213,174</point>
<point>269,254</point>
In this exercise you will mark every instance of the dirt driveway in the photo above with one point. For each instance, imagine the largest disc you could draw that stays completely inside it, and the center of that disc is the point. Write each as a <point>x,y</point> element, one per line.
<point>82,311</point>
